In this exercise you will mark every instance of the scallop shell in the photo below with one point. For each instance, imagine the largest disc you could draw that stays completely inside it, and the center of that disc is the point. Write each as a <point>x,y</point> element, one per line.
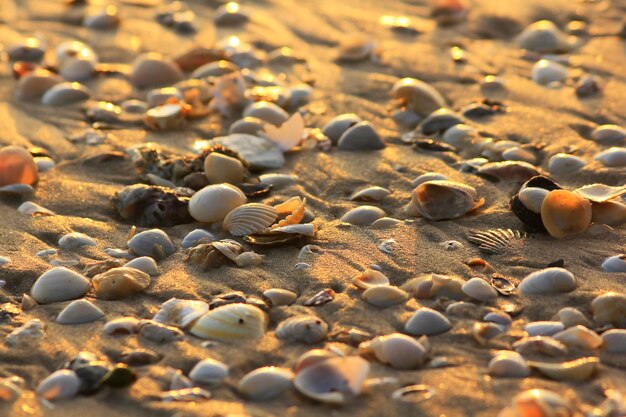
<point>59,284</point>
<point>265,383</point>
<point>614,341</point>
<point>360,137</point>
<point>546,72</point>
<point>153,70</point>
<point>508,364</point>
<point>610,308</point>
<point>443,200</point>
<point>75,240</point>
<point>196,237</point>
<point>249,219</point>
<point>279,297</point>
<point>266,111</point>
<point>60,385</point>
<point>154,243</point>
<point>572,371</point>
<point>417,95</point>
<point>614,157</point>
<point>426,321</point>
<point>119,283</point>
<point>122,325</point>
<point>398,350</point>
<point>79,311</point>
<point>370,194</point>
<point>181,313</point>
<point>335,127</point>
<point>17,166</point>
<point>615,263</point>
<point>384,296</point>
<point>599,193</point>
<point>208,371</point>
<point>479,289</point>
<point>370,278</point>
<point>579,337</point>
<point>333,380</point>
<point>363,215</point>
<point>548,281</point>
<point>543,328</point>
<point>307,329</point>
<point>231,322</point>
<point>145,264</point>
<point>214,202</point>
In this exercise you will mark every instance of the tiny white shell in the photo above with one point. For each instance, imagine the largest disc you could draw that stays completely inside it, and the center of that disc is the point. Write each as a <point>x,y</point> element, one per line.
<point>79,311</point>
<point>181,313</point>
<point>616,263</point>
<point>479,289</point>
<point>426,321</point>
<point>543,328</point>
<point>75,240</point>
<point>154,243</point>
<point>265,383</point>
<point>59,385</point>
<point>231,322</point>
<point>145,264</point>
<point>548,281</point>
<point>546,72</point>
<point>508,364</point>
<point>563,163</point>
<point>333,380</point>
<point>59,284</point>
<point>579,337</point>
<point>249,219</point>
<point>613,157</point>
<point>398,350</point>
<point>208,371</point>
<point>307,329</point>
<point>214,202</point>
<point>363,215</point>
<point>384,295</point>
<point>614,341</point>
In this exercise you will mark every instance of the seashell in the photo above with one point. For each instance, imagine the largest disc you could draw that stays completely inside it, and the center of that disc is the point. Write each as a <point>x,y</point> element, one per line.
<point>307,229</point>
<point>610,307</point>
<point>288,135</point>
<point>313,356</point>
<point>249,219</point>
<point>498,317</point>
<point>609,134</point>
<point>28,49</point>
<point>543,328</point>
<point>398,350</point>
<point>356,47</point>
<point>78,312</point>
<point>181,313</point>
<point>308,251</point>
<point>565,213</point>
<point>166,117</point>
<point>307,329</point>
<point>17,167</point>
<point>443,200</point>
<point>542,403</point>
<point>579,337</point>
<point>439,121</point>
<point>600,193</point>
<point>215,69</point>
<point>573,371</point>
<point>36,83</point>
<point>151,70</point>
<point>60,385</point>
<point>215,254</point>
<point>540,344</point>
<point>160,96</point>
<point>484,332</point>
<point>279,297</point>
<point>196,237</point>
<point>159,333</point>
<point>479,289</point>
<point>59,284</point>
<point>519,154</point>
<point>31,329</point>
<point>324,296</point>
<point>44,164</point>
<point>543,36</point>
<point>426,321</point>
<point>461,309</point>
<point>102,19</point>
<point>385,222</point>
<point>497,241</point>
<point>384,295</point>
<point>570,316</point>
<point>459,135</point>
<point>214,202</point>
<point>259,152</point>
<point>266,111</point>
<point>265,383</point>
<point>370,278</point>
<point>546,72</point>
<point>508,364</point>
<point>231,322</point>
<point>249,259</point>
<point>548,281</point>
<point>370,194</point>
<point>615,263</point>
<point>413,393</point>
<point>220,168</point>
<point>122,325</point>
<point>19,190</point>
<point>279,180</point>
<point>208,371</point>
<point>145,264</point>
<point>614,341</point>
<point>118,283</point>
<point>333,380</point>
<point>514,171</point>
<point>612,157</point>
<point>65,93</point>
<point>435,285</point>
<point>11,388</point>
<point>185,394</point>
<point>75,240</point>
<point>154,243</point>
<point>429,176</point>
<point>360,137</point>
<point>418,96</point>
<point>337,126</point>
<point>563,163</point>
<point>532,198</point>
<point>363,215</point>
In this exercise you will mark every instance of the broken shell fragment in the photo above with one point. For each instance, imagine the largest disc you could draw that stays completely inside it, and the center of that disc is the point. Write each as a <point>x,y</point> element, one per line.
<point>231,322</point>
<point>426,321</point>
<point>79,311</point>
<point>265,383</point>
<point>548,281</point>
<point>443,200</point>
<point>333,380</point>
<point>159,333</point>
<point>249,219</point>
<point>307,329</point>
<point>119,283</point>
<point>544,345</point>
<point>214,202</point>
<point>59,284</point>
<point>565,214</point>
<point>600,193</point>
<point>398,350</point>
<point>579,337</point>
<point>216,254</point>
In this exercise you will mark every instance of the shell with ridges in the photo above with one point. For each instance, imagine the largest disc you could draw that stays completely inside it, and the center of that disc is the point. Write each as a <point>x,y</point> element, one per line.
<point>231,322</point>
<point>249,218</point>
<point>307,329</point>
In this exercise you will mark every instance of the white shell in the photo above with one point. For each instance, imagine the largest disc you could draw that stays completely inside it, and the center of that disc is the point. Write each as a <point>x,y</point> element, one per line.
<point>154,243</point>
<point>599,193</point>
<point>427,321</point>
<point>231,322</point>
<point>370,278</point>
<point>543,328</point>
<point>532,198</point>
<point>479,289</point>
<point>266,111</point>
<point>145,264</point>
<point>517,153</point>
<point>612,157</point>
<point>208,371</point>
<point>265,383</point>
<point>220,168</point>
<point>28,208</point>
<point>335,127</point>
<point>307,329</point>
<point>398,350</point>
<point>499,317</point>
<point>370,194</point>
<point>363,215</point>
<point>563,163</point>
<point>306,229</point>
<point>548,281</point>
<point>79,311</point>
<point>543,36</point>
<point>610,307</point>
<point>279,180</point>
<point>180,313</point>
<point>36,83</point>
<point>614,341</point>
<point>59,385</point>
<point>384,296</point>
<point>385,222</point>
<point>418,95</point>
<point>249,218</point>
<point>508,364</point>
<point>360,137</point>
<point>122,325</point>
<point>609,134</point>
<point>280,297</point>
<point>459,136</point>
<point>615,263</point>
<point>573,371</point>
<point>75,240</point>
<point>570,316</point>
<point>547,72</point>
<point>579,337</point>
<point>65,93</point>
<point>333,380</point>
<point>429,176</point>
<point>59,284</point>
<point>195,237</point>
<point>23,190</point>
<point>214,202</point>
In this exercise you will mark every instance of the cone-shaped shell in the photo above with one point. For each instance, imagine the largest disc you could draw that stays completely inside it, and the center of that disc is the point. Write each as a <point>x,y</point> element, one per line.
<point>427,321</point>
<point>79,311</point>
<point>118,283</point>
<point>249,218</point>
<point>181,313</point>
<point>303,328</point>
<point>231,322</point>
<point>398,350</point>
<point>17,166</point>
<point>265,383</point>
<point>208,371</point>
<point>59,284</point>
<point>59,385</point>
<point>548,281</point>
<point>333,380</point>
<point>565,213</point>
<point>153,70</point>
<point>443,200</point>
<point>214,202</point>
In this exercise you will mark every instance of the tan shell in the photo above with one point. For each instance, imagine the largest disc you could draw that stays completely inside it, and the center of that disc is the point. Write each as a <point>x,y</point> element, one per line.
<point>118,283</point>
<point>599,193</point>
<point>280,297</point>
<point>181,313</point>
<point>612,213</point>
<point>565,214</point>
<point>385,295</point>
<point>576,370</point>
<point>610,308</point>
<point>370,194</point>
<point>333,380</point>
<point>579,337</point>
<point>370,278</point>
<point>265,383</point>
<point>443,200</point>
<point>231,322</point>
<point>304,328</point>
<point>220,168</point>
<point>417,95</point>
<point>434,285</point>
<point>398,350</point>
<point>249,218</point>
<point>122,325</point>
<point>214,202</point>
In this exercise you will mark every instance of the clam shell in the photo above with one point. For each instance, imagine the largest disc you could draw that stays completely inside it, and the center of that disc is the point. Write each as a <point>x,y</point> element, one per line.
<point>363,215</point>
<point>249,218</point>
<point>543,403</point>
<point>360,137</point>
<point>214,202</point>
<point>75,240</point>
<point>544,345</point>
<point>154,243</point>
<point>543,328</point>
<point>613,157</point>
<point>548,281</point>
<point>443,200</point>
<point>570,316</point>
<point>532,198</point>
<point>307,329</point>
<point>79,311</point>
<point>159,333</point>
<point>513,171</point>
<point>428,176</point>
<point>426,321</point>
<point>498,317</point>
<point>385,223</point>
<point>599,193</point>
<point>153,70</point>
<point>21,190</point>
<point>614,341</point>
<point>335,127</point>
<point>60,385</point>
<point>208,371</point>
<point>562,163</point>
<point>417,95</point>
<point>28,208</point>
<point>214,69</point>
<point>508,364</point>
<point>565,214</point>
<point>119,283</point>
<point>543,36</point>
<point>370,278</point>
<point>312,356</point>
<point>261,153</point>
<point>145,264</point>
<point>36,83</point>
<point>546,72</point>
<point>196,237</point>
<point>579,337</point>
<point>280,297</point>
<point>609,134</point>
<point>220,168</point>
<point>384,296</point>
<point>181,313</point>
<point>459,135</point>
<point>231,322</point>
<point>288,135</point>
<point>165,117</point>
<point>65,93</point>
<point>573,371</point>
<point>122,325</point>
<point>333,380</point>
<point>17,166</point>
<point>59,284</point>
<point>435,285</point>
<point>479,289</point>
<point>265,383</point>
<point>615,263</point>
<point>398,350</point>
<point>370,194</point>
<point>610,308</point>
<point>438,122</point>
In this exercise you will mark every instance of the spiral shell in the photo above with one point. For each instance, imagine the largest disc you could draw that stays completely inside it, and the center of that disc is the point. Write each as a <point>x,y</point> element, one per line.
<point>249,219</point>
<point>231,322</point>
<point>304,328</point>
<point>443,200</point>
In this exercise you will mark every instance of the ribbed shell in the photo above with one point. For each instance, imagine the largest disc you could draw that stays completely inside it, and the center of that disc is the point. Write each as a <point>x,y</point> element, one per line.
<point>231,322</point>
<point>305,328</point>
<point>249,219</point>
